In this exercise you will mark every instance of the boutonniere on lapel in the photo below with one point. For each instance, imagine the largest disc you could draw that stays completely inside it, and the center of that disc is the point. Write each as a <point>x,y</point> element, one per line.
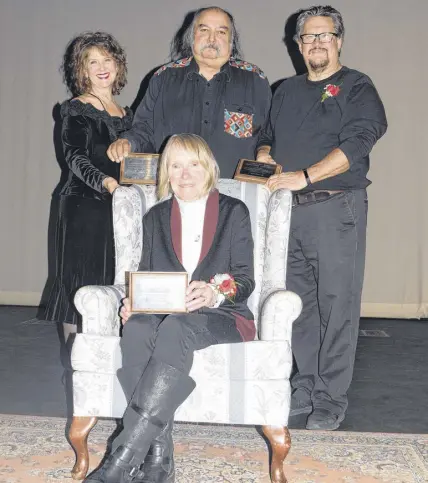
<point>330,90</point>
<point>224,284</point>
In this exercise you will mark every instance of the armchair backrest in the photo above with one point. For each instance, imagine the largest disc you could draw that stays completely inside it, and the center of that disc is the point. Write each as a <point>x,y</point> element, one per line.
<point>270,216</point>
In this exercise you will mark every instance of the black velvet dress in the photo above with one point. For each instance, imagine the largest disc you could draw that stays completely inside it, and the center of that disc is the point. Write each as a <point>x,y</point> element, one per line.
<point>84,233</point>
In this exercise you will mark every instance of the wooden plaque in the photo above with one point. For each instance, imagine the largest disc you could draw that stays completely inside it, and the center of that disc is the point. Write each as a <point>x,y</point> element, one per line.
<point>253,171</point>
<point>139,168</point>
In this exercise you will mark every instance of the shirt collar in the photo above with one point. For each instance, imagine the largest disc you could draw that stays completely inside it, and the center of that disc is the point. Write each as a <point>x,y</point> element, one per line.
<point>200,202</point>
<point>194,69</point>
<point>226,69</point>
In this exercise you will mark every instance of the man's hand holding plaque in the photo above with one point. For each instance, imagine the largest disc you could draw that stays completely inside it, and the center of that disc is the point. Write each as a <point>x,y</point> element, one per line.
<point>253,171</point>
<point>139,168</point>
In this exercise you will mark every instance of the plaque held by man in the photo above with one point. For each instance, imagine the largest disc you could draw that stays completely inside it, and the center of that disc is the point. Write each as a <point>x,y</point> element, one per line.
<point>139,168</point>
<point>253,171</point>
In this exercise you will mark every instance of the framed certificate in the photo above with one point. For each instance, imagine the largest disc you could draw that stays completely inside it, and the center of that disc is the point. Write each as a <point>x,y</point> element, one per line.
<point>158,292</point>
<point>139,168</point>
<point>255,172</point>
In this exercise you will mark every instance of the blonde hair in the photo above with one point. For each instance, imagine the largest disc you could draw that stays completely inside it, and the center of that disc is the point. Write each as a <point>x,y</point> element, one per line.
<point>196,147</point>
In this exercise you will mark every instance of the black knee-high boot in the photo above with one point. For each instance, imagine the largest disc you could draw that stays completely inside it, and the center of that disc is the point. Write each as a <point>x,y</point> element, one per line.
<point>160,391</point>
<point>159,462</point>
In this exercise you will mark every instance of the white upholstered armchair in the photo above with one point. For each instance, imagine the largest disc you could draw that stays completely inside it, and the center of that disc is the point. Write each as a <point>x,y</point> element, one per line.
<point>246,383</point>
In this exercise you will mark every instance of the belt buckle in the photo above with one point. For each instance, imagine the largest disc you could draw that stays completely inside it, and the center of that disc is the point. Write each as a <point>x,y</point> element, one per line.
<point>295,199</point>
<point>302,198</point>
<point>311,197</point>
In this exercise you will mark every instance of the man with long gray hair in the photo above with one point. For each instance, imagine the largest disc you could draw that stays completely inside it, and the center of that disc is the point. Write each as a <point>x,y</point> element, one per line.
<point>209,92</point>
<point>322,128</point>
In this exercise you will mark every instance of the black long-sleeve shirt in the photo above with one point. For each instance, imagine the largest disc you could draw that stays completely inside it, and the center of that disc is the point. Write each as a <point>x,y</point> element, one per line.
<point>228,111</point>
<point>302,129</point>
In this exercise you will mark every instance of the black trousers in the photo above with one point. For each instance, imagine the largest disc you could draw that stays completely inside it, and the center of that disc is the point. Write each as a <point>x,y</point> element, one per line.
<point>326,269</point>
<point>171,339</point>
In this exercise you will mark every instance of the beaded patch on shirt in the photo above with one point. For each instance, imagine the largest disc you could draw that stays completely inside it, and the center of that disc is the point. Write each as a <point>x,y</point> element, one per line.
<point>175,65</point>
<point>238,124</point>
<point>243,64</point>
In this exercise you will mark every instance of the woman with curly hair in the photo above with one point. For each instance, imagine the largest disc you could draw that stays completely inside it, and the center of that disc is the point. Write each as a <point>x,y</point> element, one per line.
<point>94,68</point>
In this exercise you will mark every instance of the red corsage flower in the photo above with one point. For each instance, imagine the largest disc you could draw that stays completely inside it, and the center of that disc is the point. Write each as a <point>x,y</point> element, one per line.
<point>330,90</point>
<point>224,284</point>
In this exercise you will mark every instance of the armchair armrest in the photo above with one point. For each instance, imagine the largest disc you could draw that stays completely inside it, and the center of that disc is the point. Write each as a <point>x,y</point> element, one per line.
<point>99,308</point>
<point>279,310</point>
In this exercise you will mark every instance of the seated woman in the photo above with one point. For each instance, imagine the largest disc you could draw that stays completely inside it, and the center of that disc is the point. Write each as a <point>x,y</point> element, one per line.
<point>208,235</point>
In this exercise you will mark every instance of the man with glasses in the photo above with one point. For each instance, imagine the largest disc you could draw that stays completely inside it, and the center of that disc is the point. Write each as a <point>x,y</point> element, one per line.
<point>322,128</point>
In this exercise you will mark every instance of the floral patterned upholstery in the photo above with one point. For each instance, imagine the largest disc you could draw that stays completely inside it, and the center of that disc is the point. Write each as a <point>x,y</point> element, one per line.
<point>244,383</point>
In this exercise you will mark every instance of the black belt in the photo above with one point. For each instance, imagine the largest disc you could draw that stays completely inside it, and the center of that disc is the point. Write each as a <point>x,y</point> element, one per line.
<point>312,197</point>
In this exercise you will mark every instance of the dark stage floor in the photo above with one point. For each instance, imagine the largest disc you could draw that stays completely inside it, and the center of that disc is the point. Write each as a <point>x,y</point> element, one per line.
<point>388,393</point>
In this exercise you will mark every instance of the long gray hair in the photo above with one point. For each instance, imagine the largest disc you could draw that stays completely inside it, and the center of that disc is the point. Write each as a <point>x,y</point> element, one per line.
<point>182,44</point>
<point>320,11</point>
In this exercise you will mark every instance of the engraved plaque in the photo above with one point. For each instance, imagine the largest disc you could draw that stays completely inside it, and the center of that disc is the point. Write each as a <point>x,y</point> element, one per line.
<point>139,168</point>
<point>255,171</point>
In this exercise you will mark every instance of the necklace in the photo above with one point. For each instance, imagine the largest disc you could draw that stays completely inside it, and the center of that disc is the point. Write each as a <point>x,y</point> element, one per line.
<point>96,97</point>
<point>102,103</point>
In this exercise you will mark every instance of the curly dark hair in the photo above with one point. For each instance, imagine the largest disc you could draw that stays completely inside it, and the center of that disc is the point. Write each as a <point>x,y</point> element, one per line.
<point>75,57</point>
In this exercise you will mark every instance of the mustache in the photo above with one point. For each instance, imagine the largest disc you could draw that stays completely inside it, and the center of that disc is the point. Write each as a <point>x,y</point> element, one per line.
<point>317,49</point>
<point>211,45</point>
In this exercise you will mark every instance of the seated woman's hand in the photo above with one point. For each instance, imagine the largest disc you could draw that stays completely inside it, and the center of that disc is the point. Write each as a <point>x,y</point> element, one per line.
<point>125,310</point>
<point>199,294</point>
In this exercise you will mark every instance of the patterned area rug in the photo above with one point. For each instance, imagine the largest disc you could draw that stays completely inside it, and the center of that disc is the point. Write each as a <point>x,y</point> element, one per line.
<point>34,450</point>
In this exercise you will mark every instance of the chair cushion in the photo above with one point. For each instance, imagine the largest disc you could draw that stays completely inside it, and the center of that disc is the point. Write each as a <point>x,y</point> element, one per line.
<point>235,383</point>
<point>238,402</point>
<point>257,360</point>
<point>213,400</point>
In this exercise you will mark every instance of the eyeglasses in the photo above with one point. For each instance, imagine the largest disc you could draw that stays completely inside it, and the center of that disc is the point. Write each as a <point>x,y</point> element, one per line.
<point>324,37</point>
